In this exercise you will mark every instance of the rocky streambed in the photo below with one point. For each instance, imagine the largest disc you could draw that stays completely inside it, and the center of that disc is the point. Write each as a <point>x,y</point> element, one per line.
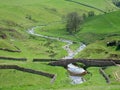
<point>74,71</point>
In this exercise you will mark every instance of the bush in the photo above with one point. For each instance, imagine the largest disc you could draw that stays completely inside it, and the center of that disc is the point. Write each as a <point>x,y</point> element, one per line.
<point>91,13</point>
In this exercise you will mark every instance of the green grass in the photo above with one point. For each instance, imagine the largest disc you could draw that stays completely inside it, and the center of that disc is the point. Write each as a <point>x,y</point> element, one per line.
<point>41,48</point>
<point>13,16</point>
<point>107,23</point>
<point>99,50</point>
<point>111,72</point>
<point>105,5</point>
<point>40,11</point>
<point>6,44</point>
<point>96,81</point>
<point>95,28</point>
<point>16,16</point>
<point>20,80</point>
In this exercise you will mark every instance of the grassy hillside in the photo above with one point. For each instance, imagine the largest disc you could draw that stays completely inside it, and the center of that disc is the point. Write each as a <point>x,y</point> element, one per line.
<point>102,26</point>
<point>100,30</point>
<point>17,16</point>
<point>40,11</point>
<point>33,48</point>
<point>100,50</point>
<point>16,12</point>
<point>20,15</point>
<point>94,28</point>
<point>22,81</point>
<point>105,5</point>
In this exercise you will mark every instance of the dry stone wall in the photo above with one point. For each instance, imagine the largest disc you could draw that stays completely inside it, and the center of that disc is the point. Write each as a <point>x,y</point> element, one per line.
<point>9,50</point>
<point>27,70</point>
<point>43,60</point>
<point>12,58</point>
<point>104,75</point>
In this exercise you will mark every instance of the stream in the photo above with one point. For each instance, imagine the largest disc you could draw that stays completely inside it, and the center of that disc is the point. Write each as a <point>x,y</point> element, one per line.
<point>71,54</point>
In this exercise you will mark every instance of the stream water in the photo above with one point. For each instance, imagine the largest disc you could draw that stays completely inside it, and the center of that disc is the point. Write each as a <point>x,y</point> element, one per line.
<point>71,54</point>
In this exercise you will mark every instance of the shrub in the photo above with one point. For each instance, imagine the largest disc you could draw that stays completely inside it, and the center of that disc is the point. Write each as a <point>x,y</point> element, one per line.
<point>91,13</point>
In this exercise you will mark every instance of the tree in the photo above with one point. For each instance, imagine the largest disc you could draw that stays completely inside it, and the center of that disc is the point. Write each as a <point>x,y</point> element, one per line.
<point>73,22</point>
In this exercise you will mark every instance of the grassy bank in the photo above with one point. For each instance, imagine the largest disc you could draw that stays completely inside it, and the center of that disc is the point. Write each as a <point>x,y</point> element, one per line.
<point>100,50</point>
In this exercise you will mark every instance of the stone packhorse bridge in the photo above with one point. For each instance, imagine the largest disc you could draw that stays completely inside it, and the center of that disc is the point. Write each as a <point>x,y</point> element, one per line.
<point>86,62</point>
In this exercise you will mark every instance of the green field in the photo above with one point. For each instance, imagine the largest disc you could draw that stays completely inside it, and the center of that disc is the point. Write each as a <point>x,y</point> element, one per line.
<point>100,50</point>
<point>104,5</point>
<point>22,81</point>
<point>17,16</point>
